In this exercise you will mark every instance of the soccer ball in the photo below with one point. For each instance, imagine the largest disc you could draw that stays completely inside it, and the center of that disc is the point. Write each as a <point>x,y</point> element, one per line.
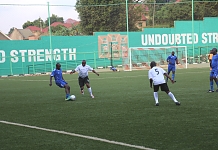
<point>73,97</point>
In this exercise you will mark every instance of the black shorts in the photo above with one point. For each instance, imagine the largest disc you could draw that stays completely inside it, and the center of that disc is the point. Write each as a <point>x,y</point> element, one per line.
<point>83,81</point>
<point>164,87</point>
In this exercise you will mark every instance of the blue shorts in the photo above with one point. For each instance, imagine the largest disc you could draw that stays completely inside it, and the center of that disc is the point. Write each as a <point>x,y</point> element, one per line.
<point>61,84</point>
<point>213,73</point>
<point>171,68</point>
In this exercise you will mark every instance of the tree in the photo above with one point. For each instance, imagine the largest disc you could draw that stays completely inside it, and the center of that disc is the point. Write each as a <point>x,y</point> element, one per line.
<point>183,11</point>
<point>60,30</point>
<point>54,18</point>
<point>76,30</point>
<point>10,31</point>
<point>27,24</point>
<point>105,16</point>
<point>38,23</point>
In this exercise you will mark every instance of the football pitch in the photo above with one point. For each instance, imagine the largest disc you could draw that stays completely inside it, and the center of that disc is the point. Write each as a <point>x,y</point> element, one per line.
<point>122,116</point>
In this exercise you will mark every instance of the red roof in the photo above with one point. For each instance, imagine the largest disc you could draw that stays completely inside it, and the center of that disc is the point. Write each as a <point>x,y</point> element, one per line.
<point>33,28</point>
<point>56,24</point>
<point>67,25</point>
<point>143,18</point>
<point>71,21</point>
<point>45,30</point>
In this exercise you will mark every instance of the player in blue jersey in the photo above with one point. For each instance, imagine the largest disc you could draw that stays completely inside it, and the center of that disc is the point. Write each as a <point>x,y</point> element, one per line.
<point>59,80</point>
<point>114,69</point>
<point>214,70</point>
<point>172,61</point>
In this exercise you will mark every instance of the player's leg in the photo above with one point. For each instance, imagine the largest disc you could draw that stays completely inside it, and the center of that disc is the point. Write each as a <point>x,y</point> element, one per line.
<point>215,80</point>
<point>168,71</point>
<point>88,86</point>
<point>63,84</point>
<point>211,82</point>
<point>156,88</point>
<point>173,73</point>
<point>67,91</point>
<point>165,88</point>
<point>81,85</point>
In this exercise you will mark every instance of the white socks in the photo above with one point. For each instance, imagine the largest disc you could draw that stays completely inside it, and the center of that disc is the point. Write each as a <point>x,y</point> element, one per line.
<point>172,97</point>
<point>156,97</point>
<point>90,91</point>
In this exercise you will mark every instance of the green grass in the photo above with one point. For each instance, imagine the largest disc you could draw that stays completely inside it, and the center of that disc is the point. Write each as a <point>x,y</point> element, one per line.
<point>123,110</point>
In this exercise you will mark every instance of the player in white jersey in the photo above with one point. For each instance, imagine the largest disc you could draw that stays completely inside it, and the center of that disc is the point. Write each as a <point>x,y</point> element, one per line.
<point>83,79</point>
<point>156,77</point>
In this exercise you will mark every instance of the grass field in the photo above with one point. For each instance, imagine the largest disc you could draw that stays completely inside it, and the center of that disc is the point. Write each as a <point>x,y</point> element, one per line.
<point>123,111</point>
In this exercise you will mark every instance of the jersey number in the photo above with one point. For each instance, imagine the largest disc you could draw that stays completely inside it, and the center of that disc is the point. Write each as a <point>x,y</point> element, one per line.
<point>157,71</point>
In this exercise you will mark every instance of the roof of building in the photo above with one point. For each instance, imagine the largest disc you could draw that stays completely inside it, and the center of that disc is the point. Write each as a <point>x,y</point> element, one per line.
<point>67,25</point>
<point>7,37</point>
<point>25,33</point>
<point>33,28</point>
<point>71,21</point>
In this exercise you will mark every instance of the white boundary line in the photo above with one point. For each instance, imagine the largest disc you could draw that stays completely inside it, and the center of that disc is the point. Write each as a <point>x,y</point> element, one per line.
<point>76,135</point>
<point>145,75</point>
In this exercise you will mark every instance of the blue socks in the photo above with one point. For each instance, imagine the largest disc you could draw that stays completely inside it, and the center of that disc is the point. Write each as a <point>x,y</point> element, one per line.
<point>173,76</point>
<point>211,85</point>
<point>67,95</point>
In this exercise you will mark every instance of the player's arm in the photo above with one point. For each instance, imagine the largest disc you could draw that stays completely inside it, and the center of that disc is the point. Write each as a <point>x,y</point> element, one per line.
<point>75,70</point>
<point>62,77</point>
<point>95,72</point>
<point>177,62</point>
<point>150,78</point>
<point>168,77</point>
<point>151,82</point>
<point>168,59</point>
<point>50,80</point>
<point>52,75</point>
<point>91,69</point>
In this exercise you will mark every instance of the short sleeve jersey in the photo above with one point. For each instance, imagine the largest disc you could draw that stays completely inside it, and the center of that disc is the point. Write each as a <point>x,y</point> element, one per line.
<point>157,75</point>
<point>83,70</point>
<point>172,59</point>
<point>57,74</point>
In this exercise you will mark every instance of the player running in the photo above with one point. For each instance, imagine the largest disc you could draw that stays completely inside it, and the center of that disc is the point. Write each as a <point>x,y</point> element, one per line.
<point>156,76</point>
<point>59,80</point>
<point>172,61</point>
<point>214,70</point>
<point>83,79</point>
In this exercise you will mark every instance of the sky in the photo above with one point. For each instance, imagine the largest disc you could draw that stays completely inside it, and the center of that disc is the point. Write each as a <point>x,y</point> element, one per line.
<point>15,14</point>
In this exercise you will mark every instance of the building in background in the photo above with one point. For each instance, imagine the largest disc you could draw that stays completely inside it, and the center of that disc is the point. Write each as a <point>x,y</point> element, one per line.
<point>4,36</point>
<point>23,34</point>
